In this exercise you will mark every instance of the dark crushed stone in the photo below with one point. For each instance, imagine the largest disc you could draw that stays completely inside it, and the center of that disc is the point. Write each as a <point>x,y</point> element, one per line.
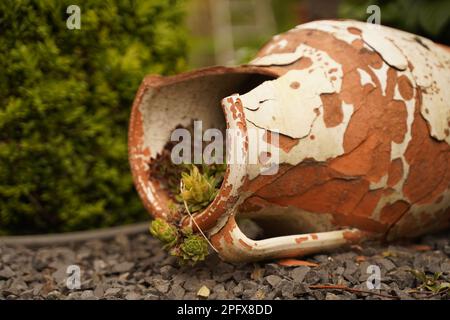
<point>298,274</point>
<point>137,268</point>
<point>273,280</point>
<point>6,273</point>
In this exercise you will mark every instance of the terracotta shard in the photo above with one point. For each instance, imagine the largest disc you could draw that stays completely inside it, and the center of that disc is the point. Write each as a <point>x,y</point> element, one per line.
<point>296,263</point>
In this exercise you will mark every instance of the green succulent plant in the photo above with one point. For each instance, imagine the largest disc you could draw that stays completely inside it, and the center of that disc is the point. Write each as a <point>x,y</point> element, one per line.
<point>432,283</point>
<point>164,231</point>
<point>198,189</point>
<point>215,170</point>
<point>189,247</point>
<point>195,186</point>
<point>194,248</point>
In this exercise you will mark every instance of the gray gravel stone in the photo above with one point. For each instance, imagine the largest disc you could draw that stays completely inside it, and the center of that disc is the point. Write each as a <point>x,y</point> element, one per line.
<point>151,297</point>
<point>88,295</point>
<point>300,289</point>
<point>239,275</point>
<point>287,288</point>
<point>60,276</point>
<point>161,285</point>
<point>74,296</point>
<point>386,264</point>
<point>137,268</point>
<point>403,278</point>
<point>99,291</point>
<point>167,271</point>
<point>192,284</point>
<point>176,292</point>
<point>272,268</point>
<point>238,290</point>
<point>339,271</point>
<point>273,280</point>
<point>221,292</point>
<point>447,250</point>
<point>312,277</point>
<point>133,296</point>
<point>54,295</point>
<point>6,273</point>
<point>445,267</point>
<point>123,267</point>
<point>350,268</point>
<point>299,273</point>
<point>332,296</point>
<point>18,285</point>
<point>99,265</point>
<point>113,291</point>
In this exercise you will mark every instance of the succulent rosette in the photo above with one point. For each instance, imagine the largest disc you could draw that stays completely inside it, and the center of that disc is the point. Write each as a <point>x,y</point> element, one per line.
<point>164,231</point>
<point>194,248</point>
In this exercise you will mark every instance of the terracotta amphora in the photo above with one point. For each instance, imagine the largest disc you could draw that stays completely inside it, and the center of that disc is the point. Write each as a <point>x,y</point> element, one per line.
<point>359,117</point>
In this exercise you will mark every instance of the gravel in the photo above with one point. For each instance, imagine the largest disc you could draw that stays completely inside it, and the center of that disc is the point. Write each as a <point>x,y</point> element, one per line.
<point>299,273</point>
<point>135,268</point>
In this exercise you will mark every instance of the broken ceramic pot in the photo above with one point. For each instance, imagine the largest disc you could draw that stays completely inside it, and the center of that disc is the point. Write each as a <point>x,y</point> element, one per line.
<point>359,117</point>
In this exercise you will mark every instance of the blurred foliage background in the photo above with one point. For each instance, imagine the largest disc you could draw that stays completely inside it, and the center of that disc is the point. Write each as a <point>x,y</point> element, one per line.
<point>231,31</point>
<point>65,95</point>
<point>65,98</point>
<point>429,18</point>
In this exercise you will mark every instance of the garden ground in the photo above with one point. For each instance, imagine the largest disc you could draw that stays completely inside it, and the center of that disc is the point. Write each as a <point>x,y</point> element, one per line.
<point>134,266</point>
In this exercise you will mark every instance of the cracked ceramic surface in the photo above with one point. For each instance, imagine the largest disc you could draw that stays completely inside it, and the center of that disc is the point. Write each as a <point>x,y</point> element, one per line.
<point>362,118</point>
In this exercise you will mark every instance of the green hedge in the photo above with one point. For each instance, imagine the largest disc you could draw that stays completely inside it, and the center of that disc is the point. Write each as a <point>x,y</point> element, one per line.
<point>65,99</point>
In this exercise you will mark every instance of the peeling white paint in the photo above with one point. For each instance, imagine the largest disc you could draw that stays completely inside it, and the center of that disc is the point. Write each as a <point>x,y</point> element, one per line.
<point>282,43</point>
<point>436,108</point>
<point>398,152</point>
<point>291,111</point>
<point>431,72</point>
<point>385,47</point>
<point>431,64</point>
<point>365,78</point>
<point>374,38</point>
<point>380,184</point>
<point>278,59</point>
<point>265,93</point>
<point>338,30</point>
<point>381,74</point>
<point>398,149</point>
<point>150,192</point>
<point>327,142</point>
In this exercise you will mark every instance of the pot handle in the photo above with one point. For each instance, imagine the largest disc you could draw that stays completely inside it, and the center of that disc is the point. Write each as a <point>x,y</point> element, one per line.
<point>234,246</point>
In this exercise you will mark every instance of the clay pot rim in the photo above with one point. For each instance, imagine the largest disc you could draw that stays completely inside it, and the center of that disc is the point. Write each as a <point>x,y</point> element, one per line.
<point>138,156</point>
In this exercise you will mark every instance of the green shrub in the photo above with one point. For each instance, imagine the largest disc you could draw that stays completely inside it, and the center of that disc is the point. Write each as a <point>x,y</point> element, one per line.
<point>65,100</point>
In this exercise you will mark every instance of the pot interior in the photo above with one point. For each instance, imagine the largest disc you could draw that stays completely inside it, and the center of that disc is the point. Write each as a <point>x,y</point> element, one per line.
<point>179,102</point>
<point>276,221</point>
